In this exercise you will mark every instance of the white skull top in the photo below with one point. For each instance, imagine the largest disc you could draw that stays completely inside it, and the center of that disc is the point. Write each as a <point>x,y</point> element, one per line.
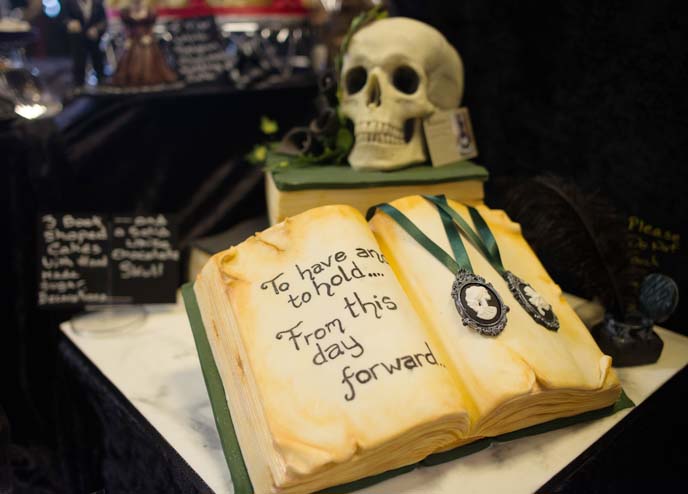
<point>477,298</point>
<point>396,72</point>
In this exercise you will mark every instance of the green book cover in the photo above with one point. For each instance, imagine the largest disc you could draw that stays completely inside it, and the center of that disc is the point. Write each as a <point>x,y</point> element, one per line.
<point>232,451</point>
<point>344,177</point>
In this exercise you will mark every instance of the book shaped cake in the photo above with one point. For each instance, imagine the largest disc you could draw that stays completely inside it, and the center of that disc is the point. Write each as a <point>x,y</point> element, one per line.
<point>341,353</point>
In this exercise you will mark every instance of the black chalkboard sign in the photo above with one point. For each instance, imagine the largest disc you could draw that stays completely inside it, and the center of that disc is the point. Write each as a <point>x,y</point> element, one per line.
<point>90,259</point>
<point>198,49</point>
<point>144,258</point>
<point>73,259</point>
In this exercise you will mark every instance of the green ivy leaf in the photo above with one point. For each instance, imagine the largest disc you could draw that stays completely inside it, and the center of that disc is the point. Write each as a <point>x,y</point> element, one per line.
<point>258,155</point>
<point>361,20</point>
<point>268,126</point>
<point>336,148</point>
<point>345,139</point>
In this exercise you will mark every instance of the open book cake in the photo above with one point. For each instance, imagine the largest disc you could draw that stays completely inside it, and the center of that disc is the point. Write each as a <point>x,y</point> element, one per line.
<point>342,355</point>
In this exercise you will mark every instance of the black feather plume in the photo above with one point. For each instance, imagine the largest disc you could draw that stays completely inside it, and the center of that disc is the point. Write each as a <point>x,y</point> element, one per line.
<point>581,240</point>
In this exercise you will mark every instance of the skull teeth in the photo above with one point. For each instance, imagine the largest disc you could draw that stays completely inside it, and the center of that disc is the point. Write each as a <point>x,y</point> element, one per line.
<point>378,138</point>
<point>378,132</point>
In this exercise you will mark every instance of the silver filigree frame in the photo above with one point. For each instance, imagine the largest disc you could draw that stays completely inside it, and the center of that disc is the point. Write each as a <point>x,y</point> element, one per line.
<point>515,286</point>
<point>490,327</point>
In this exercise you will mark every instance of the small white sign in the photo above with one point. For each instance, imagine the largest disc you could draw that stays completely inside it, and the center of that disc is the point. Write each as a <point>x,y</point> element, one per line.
<point>449,136</point>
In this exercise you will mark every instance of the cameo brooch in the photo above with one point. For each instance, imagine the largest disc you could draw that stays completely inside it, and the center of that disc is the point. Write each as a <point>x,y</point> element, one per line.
<point>479,304</point>
<point>534,304</point>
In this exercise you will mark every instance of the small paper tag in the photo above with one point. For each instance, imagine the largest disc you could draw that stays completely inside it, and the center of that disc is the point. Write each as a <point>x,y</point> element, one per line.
<point>449,136</point>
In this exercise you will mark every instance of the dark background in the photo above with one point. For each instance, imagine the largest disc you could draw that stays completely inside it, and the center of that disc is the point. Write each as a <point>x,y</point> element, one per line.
<point>593,91</point>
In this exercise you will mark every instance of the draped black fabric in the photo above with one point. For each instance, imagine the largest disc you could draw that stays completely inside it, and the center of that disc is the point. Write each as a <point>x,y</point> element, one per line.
<point>174,153</point>
<point>34,176</point>
<point>179,154</point>
<point>108,443</point>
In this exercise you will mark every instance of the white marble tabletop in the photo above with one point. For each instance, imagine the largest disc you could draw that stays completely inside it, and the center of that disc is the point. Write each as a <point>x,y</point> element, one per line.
<point>155,366</point>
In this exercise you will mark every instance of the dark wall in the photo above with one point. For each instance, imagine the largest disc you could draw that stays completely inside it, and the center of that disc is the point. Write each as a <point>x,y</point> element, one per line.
<point>593,91</point>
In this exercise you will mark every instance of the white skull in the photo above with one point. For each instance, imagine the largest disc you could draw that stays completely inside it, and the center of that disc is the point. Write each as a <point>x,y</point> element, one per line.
<point>396,72</point>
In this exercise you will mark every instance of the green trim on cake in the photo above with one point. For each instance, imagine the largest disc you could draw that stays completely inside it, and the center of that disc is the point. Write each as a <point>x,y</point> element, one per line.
<point>216,392</point>
<point>232,451</point>
<point>345,177</point>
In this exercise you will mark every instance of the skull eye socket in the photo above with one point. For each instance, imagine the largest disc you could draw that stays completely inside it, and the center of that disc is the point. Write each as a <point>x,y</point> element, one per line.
<point>405,79</point>
<point>355,80</point>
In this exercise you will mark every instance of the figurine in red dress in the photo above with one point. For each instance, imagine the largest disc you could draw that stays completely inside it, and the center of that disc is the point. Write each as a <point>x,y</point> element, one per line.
<point>142,63</point>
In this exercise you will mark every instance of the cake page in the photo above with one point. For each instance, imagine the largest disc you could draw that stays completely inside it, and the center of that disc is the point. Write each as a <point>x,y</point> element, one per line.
<point>526,358</point>
<point>340,360</point>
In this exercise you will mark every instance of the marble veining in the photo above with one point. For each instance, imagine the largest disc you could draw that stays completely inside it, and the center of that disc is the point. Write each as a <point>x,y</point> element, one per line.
<point>156,367</point>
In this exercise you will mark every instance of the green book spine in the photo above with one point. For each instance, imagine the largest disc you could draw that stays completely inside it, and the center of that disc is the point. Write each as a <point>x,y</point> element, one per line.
<point>216,392</point>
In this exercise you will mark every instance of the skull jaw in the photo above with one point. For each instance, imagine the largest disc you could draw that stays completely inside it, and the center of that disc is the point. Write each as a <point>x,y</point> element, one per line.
<point>381,156</point>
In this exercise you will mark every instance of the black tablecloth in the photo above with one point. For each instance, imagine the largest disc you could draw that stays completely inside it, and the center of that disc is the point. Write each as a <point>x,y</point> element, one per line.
<point>643,452</point>
<point>105,443</point>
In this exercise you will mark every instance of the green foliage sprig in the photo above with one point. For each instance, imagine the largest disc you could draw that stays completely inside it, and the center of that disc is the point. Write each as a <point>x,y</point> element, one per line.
<point>334,154</point>
<point>335,149</point>
<point>360,21</point>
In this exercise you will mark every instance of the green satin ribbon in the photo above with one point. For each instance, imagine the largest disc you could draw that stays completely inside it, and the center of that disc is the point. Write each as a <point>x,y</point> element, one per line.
<point>462,260</point>
<point>455,241</point>
<point>452,221</point>
<point>487,237</point>
<point>484,240</point>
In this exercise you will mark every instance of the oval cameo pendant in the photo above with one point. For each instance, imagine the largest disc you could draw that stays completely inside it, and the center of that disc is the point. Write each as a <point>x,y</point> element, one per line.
<point>534,304</point>
<point>479,304</point>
